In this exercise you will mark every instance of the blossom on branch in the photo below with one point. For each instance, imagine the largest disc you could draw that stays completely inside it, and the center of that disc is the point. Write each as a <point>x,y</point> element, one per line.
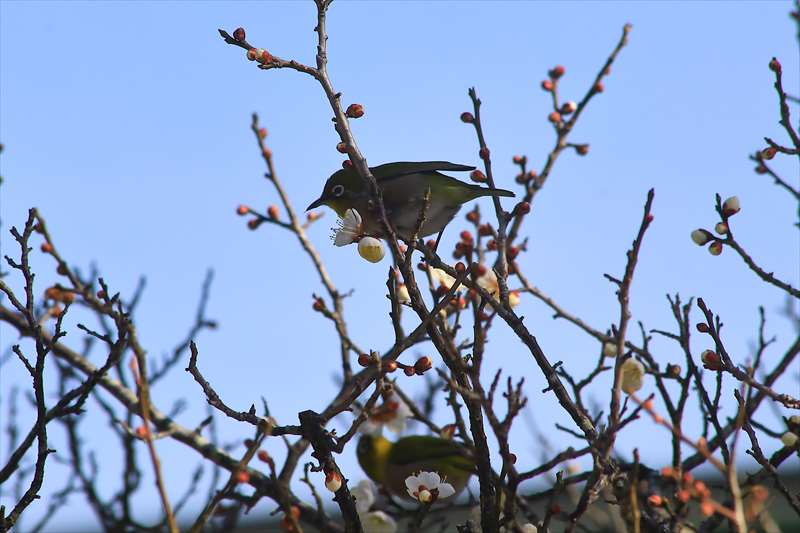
<point>427,487</point>
<point>393,414</point>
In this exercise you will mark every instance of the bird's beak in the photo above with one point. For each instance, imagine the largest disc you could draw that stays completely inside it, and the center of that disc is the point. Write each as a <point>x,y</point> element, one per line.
<point>316,203</point>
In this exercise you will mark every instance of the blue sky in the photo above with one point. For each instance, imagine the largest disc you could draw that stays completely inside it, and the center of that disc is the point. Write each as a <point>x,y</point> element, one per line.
<point>127,125</point>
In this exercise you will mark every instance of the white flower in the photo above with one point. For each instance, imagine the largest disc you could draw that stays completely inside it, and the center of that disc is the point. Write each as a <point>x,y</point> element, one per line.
<point>370,249</point>
<point>700,237</point>
<point>529,528</point>
<point>443,278</point>
<point>364,493</point>
<point>609,349</point>
<point>349,230</point>
<point>428,486</point>
<point>393,414</point>
<point>489,283</point>
<point>632,375</point>
<point>788,439</point>
<point>378,522</point>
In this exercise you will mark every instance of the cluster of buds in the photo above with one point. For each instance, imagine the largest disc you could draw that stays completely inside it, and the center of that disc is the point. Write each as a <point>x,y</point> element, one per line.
<point>689,488</point>
<point>711,360</point>
<point>524,177</point>
<point>57,293</point>
<point>464,246</point>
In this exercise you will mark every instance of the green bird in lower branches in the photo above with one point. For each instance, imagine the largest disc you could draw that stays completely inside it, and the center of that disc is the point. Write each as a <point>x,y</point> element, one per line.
<point>403,187</point>
<point>391,463</point>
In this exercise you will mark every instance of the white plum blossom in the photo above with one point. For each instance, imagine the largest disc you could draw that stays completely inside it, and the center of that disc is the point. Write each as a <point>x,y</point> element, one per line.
<point>364,494</point>
<point>378,522</point>
<point>370,249</point>
<point>442,278</point>
<point>349,230</point>
<point>632,375</point>
<point>428,487</point>
<point>489,283</point>
<point>393,414</point>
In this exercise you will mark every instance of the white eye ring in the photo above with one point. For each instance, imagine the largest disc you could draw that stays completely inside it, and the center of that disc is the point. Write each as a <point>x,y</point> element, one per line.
<point>337,190</point>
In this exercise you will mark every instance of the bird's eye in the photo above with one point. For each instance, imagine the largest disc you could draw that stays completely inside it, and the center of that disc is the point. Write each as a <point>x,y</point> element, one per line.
<point>337,190</point>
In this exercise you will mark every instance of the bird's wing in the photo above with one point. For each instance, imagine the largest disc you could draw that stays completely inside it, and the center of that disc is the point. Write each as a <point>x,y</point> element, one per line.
<point>420,448</point>
<point>395,170</point>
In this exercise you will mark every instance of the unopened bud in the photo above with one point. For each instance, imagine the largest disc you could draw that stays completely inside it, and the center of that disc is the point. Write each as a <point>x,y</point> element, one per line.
<point>609,349</point>
<point>715,248</point>
<point>582,149</point>
<point>333,481</point>
<point>242,210</point>
<point>547,85</point>
<point>273,212</point>
<point>673,371</point>
<point>701,236</point>
<point>774,65</point>
<point>252,54</point>
<point>556,72</point>
<point>598,87</point>
<point>768,153</point>
<point>730,206</point>
<point>789,439</point>
<point>554,117</point>
<point>354,111</point>
<point>702,327</point>
<point>370,249</point>
<point>239,34</point>
<point>484,153</point>
<point>477,176</point>
<point>710,360</point>
<point>242,476</point>
<point>568,107</point>
<point>467,117</point>
<point>262,133</point>
<point>519,159</point>
<point>364,360</point>
<point>721,228</point>
<point>423,364</point>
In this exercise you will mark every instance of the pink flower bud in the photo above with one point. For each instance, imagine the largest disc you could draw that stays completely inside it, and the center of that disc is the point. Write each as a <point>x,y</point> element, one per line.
<point>239,34</point>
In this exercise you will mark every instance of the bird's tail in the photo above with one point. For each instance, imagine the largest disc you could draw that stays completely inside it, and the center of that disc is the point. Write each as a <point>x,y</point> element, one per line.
<point>488,191</point>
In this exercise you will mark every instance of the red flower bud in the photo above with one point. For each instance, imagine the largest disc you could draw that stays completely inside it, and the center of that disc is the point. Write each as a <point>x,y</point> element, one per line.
<point>390,366</point>
<point>409,371</point>
<point>556,72</point>
<point>264,456</point>
<point>519,159</point>
<point>252,54</point>
<point>768,152</point>
<point>774,65</point>
<point>547,85</point>
<point>702,327</point>
<point>423,364</point>
<point>523,208</point>
<point>477,269</point>
<point>598,87</point>
<point>318,305</point>
<point>582,149</point>
<point>711,360</point>
<point>467,117</point>
<point>364,359</point>
<point>477,176</point>
<point>341,148</point>
<point>460,268</point>
<point>347,164</point>
<point>354,111</point>
<point>242,476</point>
<point>484,153</point>
<point>272,212</point>
<point>491,245</point>
<point>761,169</point>
<point>242,210</point>
<point>474,216</point>
<point>254,223</point>
<point>262,133</point>
<point>466,236</point>
<point>554,117</point>
<point>484,230</point>
<point>655,500</point>
<point>46,247</point>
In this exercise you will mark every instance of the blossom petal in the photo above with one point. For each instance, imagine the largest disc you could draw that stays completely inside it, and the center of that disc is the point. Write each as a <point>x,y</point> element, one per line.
<point>446,490</point>
<point>412,484</point>
<point>430,479</point>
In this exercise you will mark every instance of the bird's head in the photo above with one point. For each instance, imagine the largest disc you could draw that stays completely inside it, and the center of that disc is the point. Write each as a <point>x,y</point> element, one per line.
<point>340,192</point>
<point>372,453</point>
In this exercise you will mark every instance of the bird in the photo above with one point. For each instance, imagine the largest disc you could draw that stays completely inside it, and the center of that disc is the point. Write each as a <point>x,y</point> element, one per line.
<point>403,186</point>
<point>390,463</point>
